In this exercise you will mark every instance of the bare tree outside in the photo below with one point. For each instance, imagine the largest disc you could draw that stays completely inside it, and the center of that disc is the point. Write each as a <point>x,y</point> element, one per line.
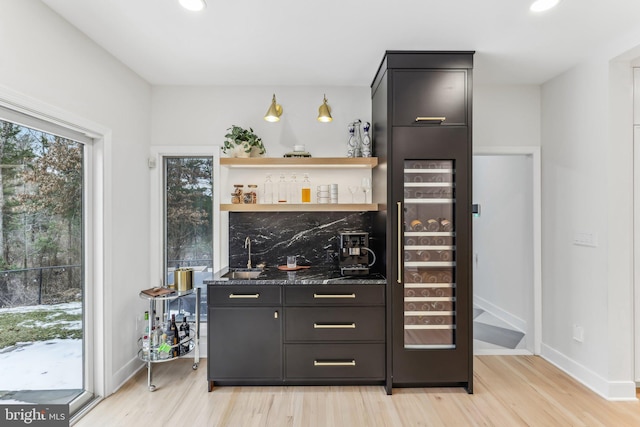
<point>41,265</point>
<point>41,178</point>
<point>188,201</point>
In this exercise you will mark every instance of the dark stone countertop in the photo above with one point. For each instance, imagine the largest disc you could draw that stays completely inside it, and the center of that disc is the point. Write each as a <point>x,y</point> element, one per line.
<point>307,276</point>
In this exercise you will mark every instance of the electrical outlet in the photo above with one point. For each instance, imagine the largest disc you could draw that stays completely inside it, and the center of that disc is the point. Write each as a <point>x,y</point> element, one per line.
<point>578,333</point>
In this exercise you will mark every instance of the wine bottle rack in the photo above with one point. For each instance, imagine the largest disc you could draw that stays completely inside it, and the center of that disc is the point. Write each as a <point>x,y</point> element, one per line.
<point>429,254</point>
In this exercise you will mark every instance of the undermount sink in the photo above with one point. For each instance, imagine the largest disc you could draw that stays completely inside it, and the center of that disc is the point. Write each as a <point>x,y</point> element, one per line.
<point>243,273</point>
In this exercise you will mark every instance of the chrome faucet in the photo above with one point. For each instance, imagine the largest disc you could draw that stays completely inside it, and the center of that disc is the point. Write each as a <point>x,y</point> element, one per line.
<point>247,244</point>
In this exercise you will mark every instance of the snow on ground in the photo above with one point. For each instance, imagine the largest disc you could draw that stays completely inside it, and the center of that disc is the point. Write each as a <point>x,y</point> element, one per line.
<point>43,365</point>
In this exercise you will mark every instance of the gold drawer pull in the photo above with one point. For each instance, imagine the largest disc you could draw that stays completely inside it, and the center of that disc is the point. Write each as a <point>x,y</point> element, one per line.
<point>430,119</point>
<point>334,295</point>
<point>334,326</point>
<point>244,296</point>
<point>345,363</point>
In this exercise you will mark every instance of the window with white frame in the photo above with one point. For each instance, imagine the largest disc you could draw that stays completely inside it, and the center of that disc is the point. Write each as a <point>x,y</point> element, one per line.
<point>184,194</point>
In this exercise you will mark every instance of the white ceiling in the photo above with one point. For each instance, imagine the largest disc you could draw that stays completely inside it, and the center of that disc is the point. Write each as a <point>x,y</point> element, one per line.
<point>341,42</point>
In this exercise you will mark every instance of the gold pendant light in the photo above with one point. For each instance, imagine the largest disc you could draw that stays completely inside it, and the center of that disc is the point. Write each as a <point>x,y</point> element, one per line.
<point>274,112</point>
<point>324,112</point>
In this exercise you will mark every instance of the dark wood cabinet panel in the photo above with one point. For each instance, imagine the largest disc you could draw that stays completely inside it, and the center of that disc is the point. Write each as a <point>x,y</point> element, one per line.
<point>244,343</point>
<point>335,361</point>
<point>429,97</point>
<point>331,334</point>
<point>422,137</point>
<point>334,324</point>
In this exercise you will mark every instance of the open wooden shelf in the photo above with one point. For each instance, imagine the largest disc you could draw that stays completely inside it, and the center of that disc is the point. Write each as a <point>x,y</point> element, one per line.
<point>300,162</point>
<point>306,207</point>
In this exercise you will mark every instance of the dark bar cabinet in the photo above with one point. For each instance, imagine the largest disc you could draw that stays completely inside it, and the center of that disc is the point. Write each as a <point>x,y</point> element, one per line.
<point>421,116</point>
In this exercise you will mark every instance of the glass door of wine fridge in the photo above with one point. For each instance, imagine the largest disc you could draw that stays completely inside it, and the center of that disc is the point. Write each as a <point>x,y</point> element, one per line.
<point>429,254</point>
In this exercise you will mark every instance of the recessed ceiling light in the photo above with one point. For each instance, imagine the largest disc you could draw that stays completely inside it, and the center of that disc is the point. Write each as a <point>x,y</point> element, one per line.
<point>542,5</point>
<point>194,5</point>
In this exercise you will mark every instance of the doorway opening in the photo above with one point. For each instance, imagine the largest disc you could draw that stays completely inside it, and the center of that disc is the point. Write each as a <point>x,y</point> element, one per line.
<point>507,250</point>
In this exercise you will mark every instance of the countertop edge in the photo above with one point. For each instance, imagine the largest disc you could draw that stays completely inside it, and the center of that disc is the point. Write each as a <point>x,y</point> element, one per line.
<point>291,279</point>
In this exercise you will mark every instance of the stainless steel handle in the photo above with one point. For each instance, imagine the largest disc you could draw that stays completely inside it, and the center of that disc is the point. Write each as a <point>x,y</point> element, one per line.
<point>334,295</point>
<point>254,296</point>
<point>399,242</point>
<point>334,326</point>
<point>431,119</point>
<point>327,363</point>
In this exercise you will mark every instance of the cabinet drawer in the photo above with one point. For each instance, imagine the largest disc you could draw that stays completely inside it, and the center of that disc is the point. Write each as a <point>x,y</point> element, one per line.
<point>334,295</point>
<point>324,361</point>
<point>241,295</point>
<point>334,324</point>
<point>428,94</point>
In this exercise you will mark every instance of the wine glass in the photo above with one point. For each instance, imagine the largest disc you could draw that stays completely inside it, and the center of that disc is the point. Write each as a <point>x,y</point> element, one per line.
<point>353,189</point>
<point>366,187</point>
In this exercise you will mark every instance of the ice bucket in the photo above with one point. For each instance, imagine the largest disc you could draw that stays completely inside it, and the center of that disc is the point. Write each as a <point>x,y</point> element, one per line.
<point>183,279</point>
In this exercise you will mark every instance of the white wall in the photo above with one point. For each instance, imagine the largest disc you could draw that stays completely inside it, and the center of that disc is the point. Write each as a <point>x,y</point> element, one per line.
<point>506,115</point>
<point>587,187</point>
<point>46,59</point>
<point>201,115</point>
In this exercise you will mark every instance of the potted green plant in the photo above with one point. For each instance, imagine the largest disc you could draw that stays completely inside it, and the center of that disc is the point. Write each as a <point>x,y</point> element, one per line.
<point>241,142</point>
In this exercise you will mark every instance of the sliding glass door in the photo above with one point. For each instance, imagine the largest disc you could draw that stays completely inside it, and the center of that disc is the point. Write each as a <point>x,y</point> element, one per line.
<point>42,266</point>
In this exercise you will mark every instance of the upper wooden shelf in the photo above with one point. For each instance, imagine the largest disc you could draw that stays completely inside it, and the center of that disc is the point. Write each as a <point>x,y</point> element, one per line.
<point>306,207</point>
<point>300,162</point>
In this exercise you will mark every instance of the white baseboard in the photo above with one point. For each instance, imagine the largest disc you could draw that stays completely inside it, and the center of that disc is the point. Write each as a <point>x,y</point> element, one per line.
<point>610,390</point>
<point>125,373</point>
<point>514,321</point>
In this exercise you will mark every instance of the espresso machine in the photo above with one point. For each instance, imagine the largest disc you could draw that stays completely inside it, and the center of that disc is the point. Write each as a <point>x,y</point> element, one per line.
<point>353,254</point>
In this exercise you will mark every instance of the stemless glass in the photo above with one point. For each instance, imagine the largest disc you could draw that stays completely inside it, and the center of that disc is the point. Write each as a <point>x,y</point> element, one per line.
<point>366,187</point>
<point>353,189</point>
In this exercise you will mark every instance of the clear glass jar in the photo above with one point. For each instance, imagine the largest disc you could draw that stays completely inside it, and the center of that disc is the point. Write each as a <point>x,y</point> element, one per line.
<point>294,189</point>
<point>267,190</point>
<point>238,194</point>
<point>282,190</point>
<point>251,196</point>
<point>306,189</point>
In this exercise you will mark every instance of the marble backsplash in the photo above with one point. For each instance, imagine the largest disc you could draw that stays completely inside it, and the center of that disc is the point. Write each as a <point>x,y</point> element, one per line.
<point>312,236</point>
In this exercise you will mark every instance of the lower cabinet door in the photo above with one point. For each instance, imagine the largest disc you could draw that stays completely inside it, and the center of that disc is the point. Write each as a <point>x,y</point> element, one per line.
<point>244,343</point>
<point>334,361</point>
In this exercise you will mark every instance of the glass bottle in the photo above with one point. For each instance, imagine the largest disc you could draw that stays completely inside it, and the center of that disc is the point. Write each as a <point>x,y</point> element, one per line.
<point>184,333</point>
<point>306,189</point>
<point>282,190</point>
<point>173,328</point>
<point>294,190</point>
<point>267,195</point>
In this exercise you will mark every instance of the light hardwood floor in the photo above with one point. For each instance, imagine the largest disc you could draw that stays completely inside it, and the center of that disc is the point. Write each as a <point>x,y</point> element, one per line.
<point>508,391</point>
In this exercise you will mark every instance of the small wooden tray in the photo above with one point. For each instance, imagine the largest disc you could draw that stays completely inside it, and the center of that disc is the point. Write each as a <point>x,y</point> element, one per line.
<point>298,267</point>
<point>156,292</point>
